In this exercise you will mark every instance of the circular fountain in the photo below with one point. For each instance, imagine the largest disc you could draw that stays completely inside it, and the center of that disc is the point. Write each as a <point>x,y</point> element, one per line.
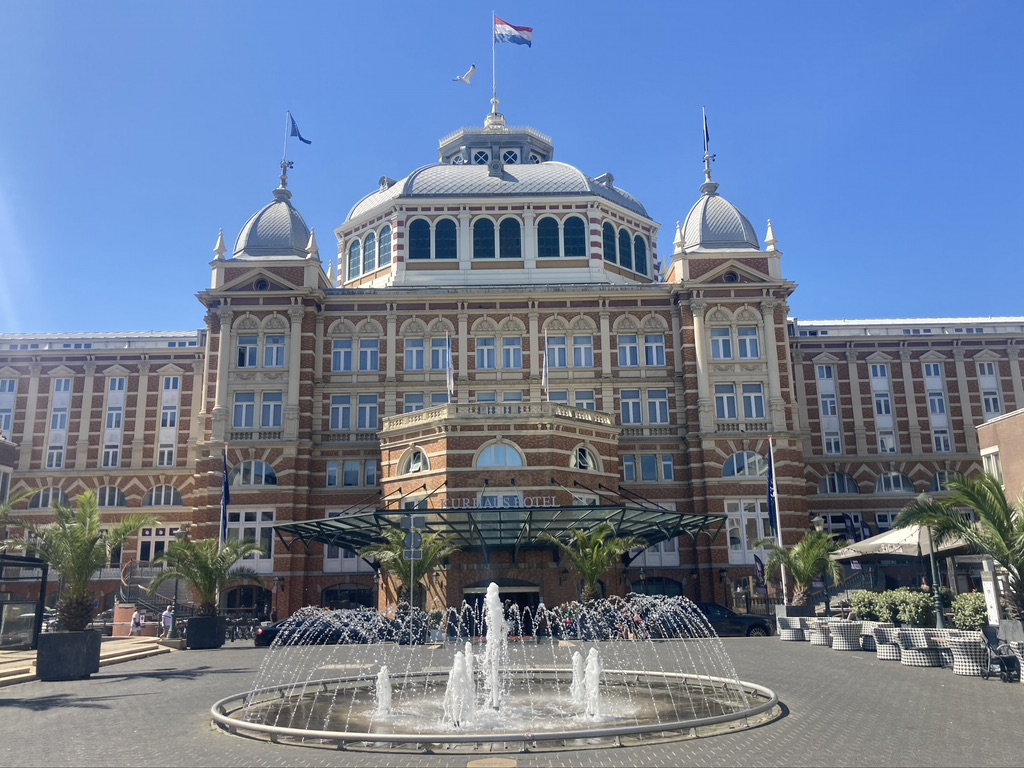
<point>614,672</point>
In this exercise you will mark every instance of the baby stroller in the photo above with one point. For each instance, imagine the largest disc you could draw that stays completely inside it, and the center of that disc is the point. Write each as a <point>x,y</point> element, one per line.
<point>1003,662</point>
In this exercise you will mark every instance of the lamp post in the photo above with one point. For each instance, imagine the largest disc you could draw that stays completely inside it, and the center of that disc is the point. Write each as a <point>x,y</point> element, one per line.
<point>940,621</point>
<point>181,535</point>
<point>819,525</point>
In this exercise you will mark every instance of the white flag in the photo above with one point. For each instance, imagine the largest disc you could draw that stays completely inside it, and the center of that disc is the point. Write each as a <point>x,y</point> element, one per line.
<point>544,370</point>
<point>451,368</point>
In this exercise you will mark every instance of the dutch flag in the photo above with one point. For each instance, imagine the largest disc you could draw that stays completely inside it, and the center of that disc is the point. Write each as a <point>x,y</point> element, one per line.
<point>509,33</point>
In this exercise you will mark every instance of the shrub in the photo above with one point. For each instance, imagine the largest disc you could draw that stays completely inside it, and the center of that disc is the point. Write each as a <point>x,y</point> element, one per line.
<point>969,611</point>
<point>914,608</point>
<point>886,606</point>
<point>865,605</point>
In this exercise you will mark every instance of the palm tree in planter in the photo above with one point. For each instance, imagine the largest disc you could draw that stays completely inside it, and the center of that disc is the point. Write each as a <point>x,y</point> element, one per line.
<point>207,568</point>
<point>407,574</point>
<point>808,560</point>
<point>593,552</point>
<point>77,546</point>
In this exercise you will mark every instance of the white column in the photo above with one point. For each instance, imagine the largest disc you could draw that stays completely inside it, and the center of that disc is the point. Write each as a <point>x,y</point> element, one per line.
<point>291,408</point>
<point>220,390</point>
<point>82,444</point>
<point>909,394</point>
<point>857,404</point>
<point>971,419</point>
<point>776,405</point>
<point>705,404</point>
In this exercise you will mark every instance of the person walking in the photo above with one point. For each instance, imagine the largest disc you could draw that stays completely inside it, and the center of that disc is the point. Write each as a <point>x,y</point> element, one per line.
<point>138,620</point>
<point>166,618</point>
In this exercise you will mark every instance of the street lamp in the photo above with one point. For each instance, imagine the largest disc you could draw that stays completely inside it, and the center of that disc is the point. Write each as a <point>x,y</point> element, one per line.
<point>940,621</point>
<point>819,525</point>
<point>181,535</point>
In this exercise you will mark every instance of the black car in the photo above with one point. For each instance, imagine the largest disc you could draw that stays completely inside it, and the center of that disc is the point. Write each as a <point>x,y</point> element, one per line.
<point>727,623</point>
<point>342,627</point>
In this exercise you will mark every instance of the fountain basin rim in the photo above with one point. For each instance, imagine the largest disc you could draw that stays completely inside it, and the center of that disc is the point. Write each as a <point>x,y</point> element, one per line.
<point>220,710</point>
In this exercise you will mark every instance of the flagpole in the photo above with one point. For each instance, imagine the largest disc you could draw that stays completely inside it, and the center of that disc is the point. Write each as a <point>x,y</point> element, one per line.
<point>494,66</point>
<point>774,493</point>
<point>287,125</point>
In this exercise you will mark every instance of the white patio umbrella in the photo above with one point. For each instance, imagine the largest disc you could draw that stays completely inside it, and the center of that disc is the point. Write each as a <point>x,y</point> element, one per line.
<point>912,541</point>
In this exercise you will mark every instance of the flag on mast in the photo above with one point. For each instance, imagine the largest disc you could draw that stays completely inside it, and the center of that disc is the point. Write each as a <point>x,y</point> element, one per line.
<point>450,366</point>
<point>225,499</point>
<point>510,33</point>
<point>293,130</point>
<point>773,507</point>
<point>706,142</point>
<point>544,366</point>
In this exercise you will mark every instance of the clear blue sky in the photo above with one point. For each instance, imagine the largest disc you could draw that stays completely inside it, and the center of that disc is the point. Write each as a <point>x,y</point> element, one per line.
<point>883,139</point>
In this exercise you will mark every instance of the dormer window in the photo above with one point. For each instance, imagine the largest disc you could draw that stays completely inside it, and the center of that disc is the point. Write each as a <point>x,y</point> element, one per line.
<point>535,158</point>
<point>458,160</point>
<point>510,157</point>
<point>481,157</point>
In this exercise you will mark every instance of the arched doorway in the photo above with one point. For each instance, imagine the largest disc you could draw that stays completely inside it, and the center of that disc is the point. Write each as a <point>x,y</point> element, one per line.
<point>523,595</point>
<point>248,600</point>
<point>347,596</point>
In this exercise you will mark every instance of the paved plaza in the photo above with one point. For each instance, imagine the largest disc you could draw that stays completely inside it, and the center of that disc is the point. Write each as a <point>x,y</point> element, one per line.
<point>839,709</point>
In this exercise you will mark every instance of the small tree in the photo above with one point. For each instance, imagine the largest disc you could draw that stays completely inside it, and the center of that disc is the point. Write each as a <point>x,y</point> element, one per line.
<point>593,552</point>
<point>208,569</point>
<point>808,560</point>
<point>390,557</point>
<point>77,546</point>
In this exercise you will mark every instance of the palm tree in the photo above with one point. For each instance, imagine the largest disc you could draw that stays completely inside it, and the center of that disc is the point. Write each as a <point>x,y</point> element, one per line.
<point>390,557</point>
<point>998,533</point>
<point>593,552</point>
<point>208,568</point>
<point>6,520</point>
<point>77,546</point>
<point>808,560</point>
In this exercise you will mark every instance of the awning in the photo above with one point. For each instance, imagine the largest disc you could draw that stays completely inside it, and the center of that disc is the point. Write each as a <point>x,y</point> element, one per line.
<point>490,527</point>
<point>912,541</point>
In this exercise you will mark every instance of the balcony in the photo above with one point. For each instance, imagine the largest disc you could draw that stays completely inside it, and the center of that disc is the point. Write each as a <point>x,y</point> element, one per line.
<point>250,436</point>
<point>490,411</point>
<point>733,427</point>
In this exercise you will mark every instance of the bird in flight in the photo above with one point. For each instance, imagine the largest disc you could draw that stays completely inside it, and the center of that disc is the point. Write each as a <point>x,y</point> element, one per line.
<point>468,77</point>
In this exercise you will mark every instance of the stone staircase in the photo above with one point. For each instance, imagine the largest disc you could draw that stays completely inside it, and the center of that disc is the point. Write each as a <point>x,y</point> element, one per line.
<point>20,666</point>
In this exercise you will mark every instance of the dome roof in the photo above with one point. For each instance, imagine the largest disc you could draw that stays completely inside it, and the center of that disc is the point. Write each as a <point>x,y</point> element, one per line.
<point>715,223</point>
<point>275,230</point>
<point>548,178</point>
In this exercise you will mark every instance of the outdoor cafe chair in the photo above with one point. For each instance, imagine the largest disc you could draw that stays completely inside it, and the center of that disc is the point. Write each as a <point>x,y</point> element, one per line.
<point>845,635</point>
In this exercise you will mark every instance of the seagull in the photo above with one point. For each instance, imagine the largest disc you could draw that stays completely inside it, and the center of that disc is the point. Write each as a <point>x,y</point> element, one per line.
<point>468,77</point>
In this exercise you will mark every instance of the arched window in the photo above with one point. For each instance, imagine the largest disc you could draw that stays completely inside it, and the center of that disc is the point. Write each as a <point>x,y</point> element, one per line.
<point>162,496</point>
<point>500,455</point>
<point>419,239</point>
<point>574,234</point>
<point>639,255</point>
<point>608,239</point>
<point>625,249</point>
<point>47,497</point>
<point>369,253</point>
<point>483,239</point>
<point>547,238</point>
<point>446,240</point>
<point>745,464</point>
<point>109,496</point>
<point>510,241</point>
<point>941,478</point>
<point>384,257</point>
<point>838,482</point>
<point>354,261</point>
<point>415,462</point>
<point>584,459</point>
<point>893,482</point>
<point>253,472</point>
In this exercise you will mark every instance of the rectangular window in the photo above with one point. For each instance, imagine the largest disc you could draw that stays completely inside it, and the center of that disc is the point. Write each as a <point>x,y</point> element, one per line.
<point>6,418</point>
<point>725,401</point>
<point>367,416</point>
<point>559,396</point>
<point>933,370</point>
<point>272,411</point>
<point>993,466</point>
<point>245,410</point>
<point>341,356</point>
<point>333,474</point>
<point>273,352</point>
<point>940,441</point>
<point>247,348</point>
<point>753,401</point>
<point>886,441</point>
<point>557,352</point>
<point>990,401</point>
<point>353,469</point>
<point>879,371</point>
<point>828,405</point>
<point>657,406</point>
<point>258,526</point>
<point>116,384</point>
<point>668,469</point>
<point>631,410</point>
<point>583,351</point>
<point>512,353</point>
<point>414,355</point>
<point>8,386</point>
<point>585,400</point>
<point>111,456</point>
<point>826,373</point>
<point>59,419</point>
<point>55,457</point>
<point>748,345</point>
<point>629,468</point>
<point>438,398</point>
<point>341,412</point>
<point>629,351</point>
<point>371,473</point>
<point>369,355</point>
<point>654,350</point>
<point>413,402</point>
<point>165,456</point>
<point>486,354</point>
<point>62,385</point>
<point>833,444</point>
<point>721,344</point>
<point>168,416</point>
<point>883,405</point>
<point>439,354</point>
<point>936,403</point>
<point>648,468</point>
<point>987,369</point>
<point>172,383</point>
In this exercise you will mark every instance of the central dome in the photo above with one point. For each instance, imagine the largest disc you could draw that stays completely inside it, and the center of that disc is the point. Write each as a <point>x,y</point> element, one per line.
<point>275,230</point>
<point>715,223</point>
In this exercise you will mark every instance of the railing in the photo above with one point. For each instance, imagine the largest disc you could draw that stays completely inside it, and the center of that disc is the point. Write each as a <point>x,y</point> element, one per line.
<point>741,426</point>
<point>487,410</point>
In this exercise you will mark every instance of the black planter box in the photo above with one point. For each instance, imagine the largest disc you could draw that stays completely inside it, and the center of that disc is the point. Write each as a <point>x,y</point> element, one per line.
<point>205,632</point>
<point>68,655</point>
<point>794,611</point>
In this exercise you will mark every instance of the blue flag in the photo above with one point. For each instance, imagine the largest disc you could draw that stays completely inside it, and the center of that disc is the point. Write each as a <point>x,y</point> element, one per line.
<point>225,499</point>
<point>851,529</point>
<point>773,509</point>
<point>759,573</point>
<point>294,130</point>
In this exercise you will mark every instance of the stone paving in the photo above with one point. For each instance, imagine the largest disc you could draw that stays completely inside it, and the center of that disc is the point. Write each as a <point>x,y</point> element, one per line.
<point>840,708</point>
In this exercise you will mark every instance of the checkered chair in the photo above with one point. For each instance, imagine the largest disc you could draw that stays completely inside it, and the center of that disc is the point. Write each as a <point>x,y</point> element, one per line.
<point>845,635</point>
<point>1018,651</point>
<point>789,628</point>
<point>887,646</point>
<point>915,650</point>
<point>970,655</point>
<point>819,633</point>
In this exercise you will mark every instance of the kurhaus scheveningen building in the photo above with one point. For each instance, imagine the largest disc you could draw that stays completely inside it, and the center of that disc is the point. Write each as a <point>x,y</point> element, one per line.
<point>496,343</point>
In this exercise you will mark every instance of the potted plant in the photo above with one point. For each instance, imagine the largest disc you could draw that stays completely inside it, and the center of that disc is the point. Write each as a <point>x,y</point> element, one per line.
<point>390,558</point>
<point>810,559</point>
<point>593,552</point>
<point>76,546</point>
<point>207,569</point>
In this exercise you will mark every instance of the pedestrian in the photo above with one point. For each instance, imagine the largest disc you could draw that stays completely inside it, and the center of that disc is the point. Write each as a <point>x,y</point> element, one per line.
<point>166,619</point>
<point>138,620</point>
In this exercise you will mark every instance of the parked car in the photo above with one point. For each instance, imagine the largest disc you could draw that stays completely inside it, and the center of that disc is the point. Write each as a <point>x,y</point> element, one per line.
<point>728,623</point>
<point>104,622</point>
<point>333,628</point>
